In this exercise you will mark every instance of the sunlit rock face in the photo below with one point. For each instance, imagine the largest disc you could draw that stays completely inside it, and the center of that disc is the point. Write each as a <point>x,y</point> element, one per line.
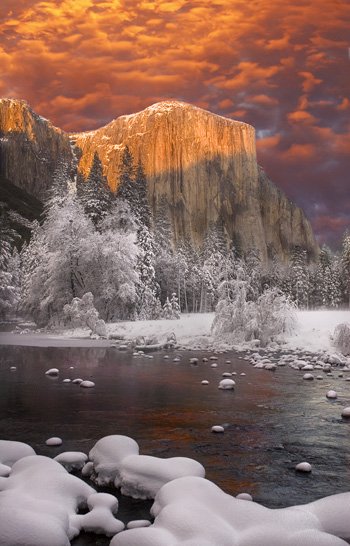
<point>203,164</point>
<point>30,148</point>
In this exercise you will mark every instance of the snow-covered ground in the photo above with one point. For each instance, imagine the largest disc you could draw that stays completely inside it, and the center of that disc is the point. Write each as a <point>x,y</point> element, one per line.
<point>314,333</point>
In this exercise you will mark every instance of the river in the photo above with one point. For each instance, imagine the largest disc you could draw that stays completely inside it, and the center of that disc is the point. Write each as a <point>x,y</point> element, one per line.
<point>272,420</point>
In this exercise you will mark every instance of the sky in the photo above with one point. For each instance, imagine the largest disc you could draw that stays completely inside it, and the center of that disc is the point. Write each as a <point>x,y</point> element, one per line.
<point>282,66</point>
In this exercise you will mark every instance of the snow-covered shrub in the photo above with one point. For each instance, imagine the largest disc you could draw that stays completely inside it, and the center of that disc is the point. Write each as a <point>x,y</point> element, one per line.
<point>233,313</point>
<point>341,338</point>
<point>274,315</point>
<point>82,312</point>
<point>241,320</point>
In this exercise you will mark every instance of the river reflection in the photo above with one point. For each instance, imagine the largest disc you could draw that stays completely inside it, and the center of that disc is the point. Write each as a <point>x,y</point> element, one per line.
<point>274,420</point>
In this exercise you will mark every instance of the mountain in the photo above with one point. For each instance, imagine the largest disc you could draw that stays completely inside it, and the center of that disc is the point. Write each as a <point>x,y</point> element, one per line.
<point>203,164</point>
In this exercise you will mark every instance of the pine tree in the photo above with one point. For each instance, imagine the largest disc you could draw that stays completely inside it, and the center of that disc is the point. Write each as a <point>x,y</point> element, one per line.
<point>345,262</point>
<point>147,288</point>
<point>127,189</point>
<point>143,212</point>
<point>300,281</point>
<point>175,306</point>
<point>95,195</point>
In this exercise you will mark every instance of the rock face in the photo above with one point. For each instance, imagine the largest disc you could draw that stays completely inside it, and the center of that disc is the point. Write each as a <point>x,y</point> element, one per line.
<point>203,164</point>
<point>30,148</point>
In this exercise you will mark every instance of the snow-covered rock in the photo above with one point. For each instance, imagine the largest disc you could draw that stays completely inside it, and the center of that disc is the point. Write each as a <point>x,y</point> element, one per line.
<point>39,503</point>
<point>308,376</point>
<point>142,476</point>
<point>52,371</point>
<point>227,384</point>
<point>100,519</point>
<point>107,456</point>
<point>303,467</point>
<point>217,428</point>
<point>11,452</point>
<point>346,412</point>
<point>87,384</point>
<point>332,394</point>
<point>195,512</point>
<point>116,460</point>
<point>72,460</point>
<point>137,523</point>
<point>205,382</point>
<point>54,441</point>
<point>244,496</point>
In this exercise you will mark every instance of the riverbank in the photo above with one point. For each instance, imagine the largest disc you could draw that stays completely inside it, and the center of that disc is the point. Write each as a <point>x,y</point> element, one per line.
<point>313,333</point>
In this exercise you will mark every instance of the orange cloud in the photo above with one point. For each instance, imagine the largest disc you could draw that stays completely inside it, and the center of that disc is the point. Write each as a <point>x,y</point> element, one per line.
<point>282,67</point>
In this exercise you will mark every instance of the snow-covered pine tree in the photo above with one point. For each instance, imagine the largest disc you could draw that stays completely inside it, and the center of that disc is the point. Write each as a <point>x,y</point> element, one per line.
<point>148,304</point>
<point>143,212</point>
<point>299,277</point>
<point>167,312</point>
<point>126,187</point>
<point>94,193</point>
<point>345,262</point>
<point>165,261</point>
<point>175,306</point>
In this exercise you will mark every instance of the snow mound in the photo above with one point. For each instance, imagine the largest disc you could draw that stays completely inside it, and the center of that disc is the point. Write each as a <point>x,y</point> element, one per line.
<point>193,511</point>
<point>143,475</point>
<point>54,441</point>
<point>107,456</point>
<point>116,460</point>
<point>227,384</point>
<point>11,452</point>
<point>39,504</point>
<point>72,460</point>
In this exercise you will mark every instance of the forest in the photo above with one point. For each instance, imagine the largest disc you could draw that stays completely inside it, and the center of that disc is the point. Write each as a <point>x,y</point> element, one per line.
<point>92,240</point>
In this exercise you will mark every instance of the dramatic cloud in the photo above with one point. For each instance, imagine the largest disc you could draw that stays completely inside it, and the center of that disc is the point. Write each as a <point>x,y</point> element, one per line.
<point>284,67</point>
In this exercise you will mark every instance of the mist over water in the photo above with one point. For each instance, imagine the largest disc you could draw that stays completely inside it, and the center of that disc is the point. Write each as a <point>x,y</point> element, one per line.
<point>273,420</point>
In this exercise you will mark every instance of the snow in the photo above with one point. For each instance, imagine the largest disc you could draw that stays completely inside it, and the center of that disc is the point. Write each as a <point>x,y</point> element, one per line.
<point>303,467</point>
<point>217,428</point>
<point>52,371</point>
<point>227,384</point>
<point>116,460</point>
<point>87,384</point>
<point>39,504</point>
<point>72,460</point>
<point>191,511</point>
<point>11,452</point>
<point>54,441</point>
<point>314,333</point>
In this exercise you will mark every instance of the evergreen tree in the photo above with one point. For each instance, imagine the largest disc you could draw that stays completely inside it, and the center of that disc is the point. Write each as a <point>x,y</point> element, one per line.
<point>127,189</point>
<point>148,304</point>
<point>143,212</point>
<point>299,279</point>
<point>95,195</point>
<point>345,262</point>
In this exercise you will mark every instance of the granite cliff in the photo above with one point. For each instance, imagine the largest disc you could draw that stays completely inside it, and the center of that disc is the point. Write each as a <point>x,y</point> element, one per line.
<point>203,164</point>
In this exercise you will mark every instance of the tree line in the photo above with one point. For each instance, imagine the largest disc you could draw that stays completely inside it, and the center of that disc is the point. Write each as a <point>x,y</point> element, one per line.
<point>110,244</point>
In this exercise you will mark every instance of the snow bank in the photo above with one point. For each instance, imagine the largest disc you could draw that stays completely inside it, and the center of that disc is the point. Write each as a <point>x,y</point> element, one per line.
<point>116,460</point>
<point>191,511</point>
<point>39,501</point>
<point>314,333</point>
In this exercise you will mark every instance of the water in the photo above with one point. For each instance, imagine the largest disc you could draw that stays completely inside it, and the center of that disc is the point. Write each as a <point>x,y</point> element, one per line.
<point>273,420</point>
